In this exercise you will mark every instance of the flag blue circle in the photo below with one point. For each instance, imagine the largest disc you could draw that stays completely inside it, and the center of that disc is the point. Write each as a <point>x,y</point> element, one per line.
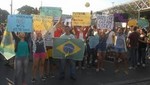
<point>68,48</point>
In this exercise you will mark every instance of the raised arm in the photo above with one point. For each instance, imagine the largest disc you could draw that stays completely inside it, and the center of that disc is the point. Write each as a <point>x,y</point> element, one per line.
<point>15,36</point>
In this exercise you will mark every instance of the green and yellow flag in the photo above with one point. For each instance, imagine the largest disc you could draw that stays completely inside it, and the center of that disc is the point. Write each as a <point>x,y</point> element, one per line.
<point>68,49</point>
<point>7,45</point>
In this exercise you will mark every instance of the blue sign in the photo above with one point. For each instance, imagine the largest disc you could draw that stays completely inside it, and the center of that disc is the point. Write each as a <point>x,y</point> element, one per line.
<point>19,23</point>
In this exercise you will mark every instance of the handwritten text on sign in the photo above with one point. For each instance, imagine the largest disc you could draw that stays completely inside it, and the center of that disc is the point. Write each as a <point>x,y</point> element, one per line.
<point>19,23</point>
<point>81,19</point>
<point>105,22</point>
<point>51,11</point>
<point>42,22</point>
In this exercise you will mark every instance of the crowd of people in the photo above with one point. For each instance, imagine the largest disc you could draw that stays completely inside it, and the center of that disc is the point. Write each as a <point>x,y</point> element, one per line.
<point>127,45</point>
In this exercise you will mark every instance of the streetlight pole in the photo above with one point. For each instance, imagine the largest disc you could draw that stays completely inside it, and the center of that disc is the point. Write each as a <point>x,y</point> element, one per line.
<point>11,7</point>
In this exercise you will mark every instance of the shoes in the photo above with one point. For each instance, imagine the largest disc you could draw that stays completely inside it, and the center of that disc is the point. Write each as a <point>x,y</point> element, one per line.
<point>97,70</point>
<point>143,65</point>
<point>83,68</point>
<point>117,70</point>
<point>73,78</point>
<point>126,72</point>
<point>102,69</point>
<point>61,78</point>
<point>43,78</point>
<point>138,63</point>
<point>33,80</point>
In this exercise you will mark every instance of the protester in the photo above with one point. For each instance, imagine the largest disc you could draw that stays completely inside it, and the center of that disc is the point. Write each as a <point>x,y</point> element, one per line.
<point>110,44</point>
<point>80,33</point>
<point>21,58</point>
<point>71,62</point>
<point>101,50</point>
<point>121,50</point>
<point>133,44</point>
<point>39,55</point>
<point>92,41</point>
<point>142,47</point>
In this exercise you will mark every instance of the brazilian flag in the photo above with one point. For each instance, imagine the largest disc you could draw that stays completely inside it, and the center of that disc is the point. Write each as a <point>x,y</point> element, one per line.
<point>68,49</point>
<point>7,45</point>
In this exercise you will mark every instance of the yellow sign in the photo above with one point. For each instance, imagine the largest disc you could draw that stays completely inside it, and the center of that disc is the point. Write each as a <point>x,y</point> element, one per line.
<point>132,22</point>
<point>81,19</point>
<point>42,22</point>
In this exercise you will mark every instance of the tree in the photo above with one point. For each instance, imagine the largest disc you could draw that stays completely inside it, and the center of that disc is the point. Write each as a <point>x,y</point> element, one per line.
<point>3,16</point>
<point>28,10</point>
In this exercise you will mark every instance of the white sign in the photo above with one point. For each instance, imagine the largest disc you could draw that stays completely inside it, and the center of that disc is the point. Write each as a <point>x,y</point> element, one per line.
<point>105,22</point>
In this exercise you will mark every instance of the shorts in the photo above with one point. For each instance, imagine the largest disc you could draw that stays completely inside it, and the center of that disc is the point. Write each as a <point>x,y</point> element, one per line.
<point>39,55</point>
<point>120,50</point>
<point>110,48</point>
<point>102,50</point>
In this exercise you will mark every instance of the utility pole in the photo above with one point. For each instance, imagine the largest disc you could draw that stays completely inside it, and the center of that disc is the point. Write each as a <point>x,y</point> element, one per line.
<point>11,7</point>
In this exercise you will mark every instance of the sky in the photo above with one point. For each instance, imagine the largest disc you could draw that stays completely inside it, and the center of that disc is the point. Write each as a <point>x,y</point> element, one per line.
<point>68,6</point>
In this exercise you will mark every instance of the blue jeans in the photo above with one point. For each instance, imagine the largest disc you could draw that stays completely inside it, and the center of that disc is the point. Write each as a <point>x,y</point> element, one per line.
<point>71,64</point>
<point>21,65</point>
<point>133,56</point>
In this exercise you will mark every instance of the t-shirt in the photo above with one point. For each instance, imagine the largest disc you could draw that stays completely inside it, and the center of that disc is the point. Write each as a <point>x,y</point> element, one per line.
<point>58,32</point>
<point>22,49</point>
<point>133,38</point>
<point>109,39</point>
<point>120,41</point>
<point>141,44</point>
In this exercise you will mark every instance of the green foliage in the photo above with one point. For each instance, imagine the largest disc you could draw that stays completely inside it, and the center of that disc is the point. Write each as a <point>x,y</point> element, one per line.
<point>27,10</point>
<point>3,16</point>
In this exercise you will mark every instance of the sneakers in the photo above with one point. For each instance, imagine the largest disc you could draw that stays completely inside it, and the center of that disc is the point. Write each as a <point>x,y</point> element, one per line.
<point>43,78</point>
<point>97,70</point>
<point>73,78</point>
<point>61,78</point>
<point>117,70</point>
<point>126,72</point>
<point>143,65</point>
<point>33,80</point>
<point>102,69</point>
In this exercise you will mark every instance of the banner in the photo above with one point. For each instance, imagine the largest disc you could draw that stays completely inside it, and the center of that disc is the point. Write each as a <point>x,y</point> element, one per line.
<point>143,23</point>
<point>105,22</point>
<point>120,17</point>
<point>42,22</point>
<point>7,46</point>
<point>51,11</point>
<point>132,22</point>
<point>68,49</point>
<point>19,23</point>
<point>81,19</point>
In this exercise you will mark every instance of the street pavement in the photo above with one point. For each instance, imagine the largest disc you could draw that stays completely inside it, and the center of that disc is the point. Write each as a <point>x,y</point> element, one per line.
<point>88,76</point>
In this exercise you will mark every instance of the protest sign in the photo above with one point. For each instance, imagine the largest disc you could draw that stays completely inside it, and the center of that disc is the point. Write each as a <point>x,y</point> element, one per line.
<point>105,22</point>
<point>81,19</point>
<point>132,22</point>
<point>120,17</point>
<point>19,23</point>
<point>51,11</point>
<point>143,23</point>
<point>42,22</point>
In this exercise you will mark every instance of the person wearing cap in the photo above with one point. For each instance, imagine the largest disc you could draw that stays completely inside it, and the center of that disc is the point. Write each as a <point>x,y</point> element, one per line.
<point>71,62</point>
<point>21,58</point>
